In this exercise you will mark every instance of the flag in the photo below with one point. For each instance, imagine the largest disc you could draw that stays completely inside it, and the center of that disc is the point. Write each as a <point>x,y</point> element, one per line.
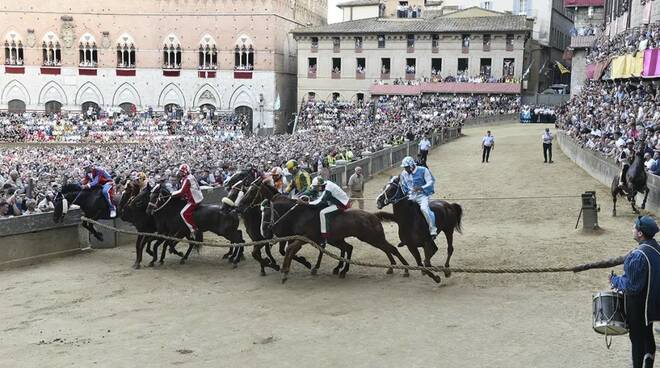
<point>528,68</point>
<point>276,105</point>
<point>562,68</point>
<point>543,66</point>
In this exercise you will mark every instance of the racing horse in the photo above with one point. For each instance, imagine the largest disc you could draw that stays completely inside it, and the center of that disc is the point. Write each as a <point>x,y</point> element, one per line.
<point>635,182</point>
<point>166,211</point>
<point>413,229</point>
<point>249,208</point>
<point>132,208</point>
<point>91,202</point>
<point>288,217</point>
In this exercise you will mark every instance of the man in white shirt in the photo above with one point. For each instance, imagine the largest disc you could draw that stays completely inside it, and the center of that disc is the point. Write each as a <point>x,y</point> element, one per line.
<point>424,146</point>
<point>547,138</point>
<point>487,144</point>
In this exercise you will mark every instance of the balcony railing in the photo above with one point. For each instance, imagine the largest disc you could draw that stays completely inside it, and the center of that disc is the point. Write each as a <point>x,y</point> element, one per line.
<point>311,74</point>
<point>314,48</point>
<point>359,75</point>
<point>410,49</point>
<point>509,47</point>
<point>384,75</point>
<point>410,76</point>
<point>336,75</point>
<point>466,50</point>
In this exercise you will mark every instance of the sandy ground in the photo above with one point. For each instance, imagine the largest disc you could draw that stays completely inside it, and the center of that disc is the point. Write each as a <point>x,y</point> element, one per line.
<point>94,310</point>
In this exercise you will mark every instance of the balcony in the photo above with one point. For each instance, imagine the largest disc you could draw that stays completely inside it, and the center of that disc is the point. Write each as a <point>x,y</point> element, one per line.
<point>359,75</point>
<point>410,76</point>
<point>466,50</point>
<point>87,71</point>
<point>384,75</point>
<point>125,72</point>
<point>486,47</point>
<point>314,48</point>
<point>336,75</point>
<point>311,74</point>
<point>435,49</point>
<point>206,73</point>
<point>51,70</point>
<point>171,72</point>
<point>358,49</point>
<point>410,49</point>
<point>242,74</point>
<point>14,69</point>
<point>336,48</point>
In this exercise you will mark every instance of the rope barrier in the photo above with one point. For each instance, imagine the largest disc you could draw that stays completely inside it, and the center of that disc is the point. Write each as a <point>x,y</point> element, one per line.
<point>491,198</point>
<point>499,270</point>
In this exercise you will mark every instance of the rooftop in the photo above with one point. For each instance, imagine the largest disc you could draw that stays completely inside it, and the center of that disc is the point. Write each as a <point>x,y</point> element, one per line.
<point>498,22</point>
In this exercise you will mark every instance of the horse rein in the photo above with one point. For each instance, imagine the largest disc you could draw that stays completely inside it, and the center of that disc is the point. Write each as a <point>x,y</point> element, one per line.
<point>395,200</point>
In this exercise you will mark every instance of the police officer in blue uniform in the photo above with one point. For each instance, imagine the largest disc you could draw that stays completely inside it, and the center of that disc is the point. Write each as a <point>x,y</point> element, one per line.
<point>641,286</point>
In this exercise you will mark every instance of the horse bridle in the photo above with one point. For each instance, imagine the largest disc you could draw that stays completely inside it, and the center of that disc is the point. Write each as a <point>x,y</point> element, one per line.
<point>160,196</point>
<point>395,199</point>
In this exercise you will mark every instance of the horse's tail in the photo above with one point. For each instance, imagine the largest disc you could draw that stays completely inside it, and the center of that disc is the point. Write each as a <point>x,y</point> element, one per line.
<point>459,214</point>
<point>385,216</point>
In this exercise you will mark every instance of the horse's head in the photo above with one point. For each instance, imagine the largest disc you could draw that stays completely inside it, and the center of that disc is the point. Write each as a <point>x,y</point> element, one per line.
<point>126,196</point>
<point>61,207</point>
<point>157,198</point>
<point>256,192</point>
<point>391,194</point>
<point>235,179</point>
<point>138,203</point>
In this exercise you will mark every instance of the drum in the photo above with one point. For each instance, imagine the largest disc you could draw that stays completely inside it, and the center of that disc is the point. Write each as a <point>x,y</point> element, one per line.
<point>609,314</point>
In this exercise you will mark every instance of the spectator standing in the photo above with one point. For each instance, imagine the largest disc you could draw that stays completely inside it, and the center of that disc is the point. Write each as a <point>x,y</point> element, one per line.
<point>547,138</point>
<point>356,187</point>
<point>487,144</point>
<point>424,146</point>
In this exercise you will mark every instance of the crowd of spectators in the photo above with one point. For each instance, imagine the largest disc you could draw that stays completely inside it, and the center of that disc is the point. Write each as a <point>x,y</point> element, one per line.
<point>436,77</point>
<point>605,116</point>
<point>327,131</point>
<point>630,41</point>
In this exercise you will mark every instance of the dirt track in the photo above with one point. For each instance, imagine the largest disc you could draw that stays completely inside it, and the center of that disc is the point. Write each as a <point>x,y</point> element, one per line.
<point>94,310</point>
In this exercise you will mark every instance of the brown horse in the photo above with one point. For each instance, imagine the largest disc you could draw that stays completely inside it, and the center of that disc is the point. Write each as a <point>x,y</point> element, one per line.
<point>289,217</point>
<point>635,182</point>
<point>250,210</point>
<point>413,229</point>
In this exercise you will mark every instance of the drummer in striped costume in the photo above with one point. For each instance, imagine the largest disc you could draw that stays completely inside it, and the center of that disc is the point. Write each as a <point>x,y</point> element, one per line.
<point>641,285</point>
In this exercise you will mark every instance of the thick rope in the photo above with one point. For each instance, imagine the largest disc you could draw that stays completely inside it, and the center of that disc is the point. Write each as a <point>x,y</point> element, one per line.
<point>499,270</point>
<point>492,198</point>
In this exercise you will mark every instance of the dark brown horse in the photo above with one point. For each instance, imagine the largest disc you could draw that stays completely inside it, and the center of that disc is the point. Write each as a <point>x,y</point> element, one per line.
<point>286,217</point>
<point>635,182</point>
<point>413,229</point>
<point>249,207</point>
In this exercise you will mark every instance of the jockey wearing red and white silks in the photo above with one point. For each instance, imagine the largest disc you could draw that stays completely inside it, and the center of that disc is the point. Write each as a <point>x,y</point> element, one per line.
<point>191,193</point>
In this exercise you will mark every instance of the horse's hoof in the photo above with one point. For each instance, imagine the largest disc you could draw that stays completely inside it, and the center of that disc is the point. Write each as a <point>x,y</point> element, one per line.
<point>447,273</point>
<point>389,271</point>
<point>182,261</point>
<point>284,277</point>
<point>275,267</point>
<point>315,271</point>
<point>263,273</point>
<point>437,279</point>
<point>226,256</point>
<point>308,265</point>
<point>407,274</point>
<point>335,271</point>
<point>342,275</point>
<point>151,264</point>
<point>161,262</point>
<point>136,266</point>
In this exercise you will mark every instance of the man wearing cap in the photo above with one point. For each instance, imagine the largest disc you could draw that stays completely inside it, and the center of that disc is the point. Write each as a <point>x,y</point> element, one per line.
<point>641,286</point>
<point>417,182</point>
<point>330,198</point>
<point>356,186</point>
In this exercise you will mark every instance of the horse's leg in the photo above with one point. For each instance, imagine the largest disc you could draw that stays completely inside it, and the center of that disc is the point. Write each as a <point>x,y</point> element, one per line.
<point>449,234</point>
<point>342,254</point>
<point>283,248</point>
<point>168,244</point>
<point>316,267</point>
<point>256,254</point>
<point>139,246</point>
<point>614,194</point>
<point>199,236</point>
<point>149,244</point>
<point>381,243</point>
<point>429,250</point>
<point>632,200</point>
<point>154,253</point>
<point>291,250</point>
<point>418,260</point>
<point>92,231</point>
<point>271,259</point>
<point>646,196</point>
<point>349,253</point>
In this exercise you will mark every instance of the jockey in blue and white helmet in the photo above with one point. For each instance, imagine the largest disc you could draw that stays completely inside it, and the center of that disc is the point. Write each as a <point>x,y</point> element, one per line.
<point>417,182</point>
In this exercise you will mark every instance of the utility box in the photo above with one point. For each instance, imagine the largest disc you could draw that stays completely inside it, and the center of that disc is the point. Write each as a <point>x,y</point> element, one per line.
<point>589,211</point>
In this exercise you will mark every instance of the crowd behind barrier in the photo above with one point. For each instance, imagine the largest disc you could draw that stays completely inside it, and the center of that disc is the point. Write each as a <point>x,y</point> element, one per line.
<point>606,116</point>
<point>627,42</point>
<point>329,131</point>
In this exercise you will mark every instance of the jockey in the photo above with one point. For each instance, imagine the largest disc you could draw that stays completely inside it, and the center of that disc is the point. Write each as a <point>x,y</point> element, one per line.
<point>142,181</point>
<point>277,179</point>
<point>417,182</point>
<point>301,179</point>
<point>330,198</point>
<point>626,158</point>
<point>97,176</point>
<point>191,193</point>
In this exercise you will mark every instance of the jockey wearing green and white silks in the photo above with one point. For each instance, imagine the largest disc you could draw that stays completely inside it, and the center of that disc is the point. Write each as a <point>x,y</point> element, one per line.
<point>417,182</point>
<point>330,198</point>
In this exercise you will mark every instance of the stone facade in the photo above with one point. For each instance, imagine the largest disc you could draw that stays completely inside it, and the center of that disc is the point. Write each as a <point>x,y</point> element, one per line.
<point>446,55</point>
<point>181,75</point>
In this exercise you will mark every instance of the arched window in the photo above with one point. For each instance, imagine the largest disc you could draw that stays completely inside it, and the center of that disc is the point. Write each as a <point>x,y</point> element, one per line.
<point>51,50</point>
<point>171,53</point>
<point>88,52</point>
<point>244,54</point>
<point>126,52</point>
<point>208,54</point>
<point>13,49</point>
